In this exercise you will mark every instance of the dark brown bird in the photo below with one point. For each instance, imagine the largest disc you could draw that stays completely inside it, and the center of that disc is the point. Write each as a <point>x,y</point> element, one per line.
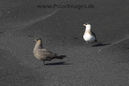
<point>43,54</point>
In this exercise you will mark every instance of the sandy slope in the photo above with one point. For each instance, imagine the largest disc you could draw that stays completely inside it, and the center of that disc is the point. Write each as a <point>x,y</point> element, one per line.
<point>61,31</point>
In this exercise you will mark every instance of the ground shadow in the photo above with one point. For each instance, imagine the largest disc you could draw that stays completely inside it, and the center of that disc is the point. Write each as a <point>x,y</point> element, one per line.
<point>100,44</point>
<point>58,63</point>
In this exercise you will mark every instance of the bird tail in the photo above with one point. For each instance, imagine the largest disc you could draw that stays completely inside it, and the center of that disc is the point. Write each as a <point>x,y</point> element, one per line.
<point>60,56</point>
<point>96,40</point>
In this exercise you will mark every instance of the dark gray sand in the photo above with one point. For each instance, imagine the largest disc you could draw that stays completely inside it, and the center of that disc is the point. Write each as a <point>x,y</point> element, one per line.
<point>61,30</point>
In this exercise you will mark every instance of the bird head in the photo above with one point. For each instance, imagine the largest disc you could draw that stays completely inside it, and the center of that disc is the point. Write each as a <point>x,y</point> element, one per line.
<point>37,39</point>
<point>87,25</point>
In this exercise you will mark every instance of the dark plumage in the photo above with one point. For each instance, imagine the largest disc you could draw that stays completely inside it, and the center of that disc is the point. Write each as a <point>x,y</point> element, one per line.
<point>43,54</point>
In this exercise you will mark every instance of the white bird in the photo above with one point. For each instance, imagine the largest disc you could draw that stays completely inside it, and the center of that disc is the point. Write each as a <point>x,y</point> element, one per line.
<point>43,54</point>
<point>89,35</point>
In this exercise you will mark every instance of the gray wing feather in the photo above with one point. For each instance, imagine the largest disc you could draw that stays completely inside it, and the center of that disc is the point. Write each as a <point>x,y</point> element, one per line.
<point>46,53</point>
<point>92,33</point>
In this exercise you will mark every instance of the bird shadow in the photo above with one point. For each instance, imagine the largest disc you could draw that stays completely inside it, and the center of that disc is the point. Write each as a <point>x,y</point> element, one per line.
<point>58,63</point>
<point>100,44</point>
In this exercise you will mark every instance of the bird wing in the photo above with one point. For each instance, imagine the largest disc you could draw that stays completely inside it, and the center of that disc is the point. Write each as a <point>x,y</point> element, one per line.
<point>45,53</point>
<point>92,33</point>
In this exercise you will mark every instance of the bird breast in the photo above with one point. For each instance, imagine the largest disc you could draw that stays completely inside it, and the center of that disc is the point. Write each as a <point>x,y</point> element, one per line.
<point>38,55</point>
<point>88,37</point>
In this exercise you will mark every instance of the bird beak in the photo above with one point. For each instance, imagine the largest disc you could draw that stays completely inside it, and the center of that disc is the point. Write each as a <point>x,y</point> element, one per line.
<point>84,25</point>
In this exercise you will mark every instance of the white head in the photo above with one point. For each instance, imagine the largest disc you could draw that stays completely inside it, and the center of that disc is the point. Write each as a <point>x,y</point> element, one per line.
<point>88,26</point>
